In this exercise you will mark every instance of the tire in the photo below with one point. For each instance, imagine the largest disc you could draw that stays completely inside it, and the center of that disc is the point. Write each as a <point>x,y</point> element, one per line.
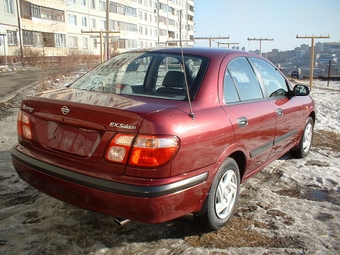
<point>223,196</point>
<point>305,141</point>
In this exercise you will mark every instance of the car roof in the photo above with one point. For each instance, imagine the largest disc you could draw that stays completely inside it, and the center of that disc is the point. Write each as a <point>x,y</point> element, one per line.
<point>199,51</point>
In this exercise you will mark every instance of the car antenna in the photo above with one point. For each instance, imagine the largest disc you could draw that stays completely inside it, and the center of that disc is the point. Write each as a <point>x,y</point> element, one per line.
<point>191,114</point>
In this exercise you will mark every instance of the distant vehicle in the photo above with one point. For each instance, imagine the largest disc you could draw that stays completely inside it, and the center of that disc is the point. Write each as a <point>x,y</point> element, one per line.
<point>152,135</point>
<point>295,74</point>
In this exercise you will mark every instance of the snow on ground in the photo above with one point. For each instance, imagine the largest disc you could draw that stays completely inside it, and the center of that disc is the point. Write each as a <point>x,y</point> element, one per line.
<point>293,205</point>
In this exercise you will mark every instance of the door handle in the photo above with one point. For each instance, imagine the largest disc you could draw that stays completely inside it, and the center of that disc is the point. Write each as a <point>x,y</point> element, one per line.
<point>279,112</point>
<point>242,122</point>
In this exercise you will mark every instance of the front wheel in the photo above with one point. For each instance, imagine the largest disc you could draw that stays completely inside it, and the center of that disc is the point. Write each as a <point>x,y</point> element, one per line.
<point>223,196</point>
<point>306,140</point>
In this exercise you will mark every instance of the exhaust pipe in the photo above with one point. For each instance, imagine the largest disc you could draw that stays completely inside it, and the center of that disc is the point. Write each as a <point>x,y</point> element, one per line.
<point>121,221</point>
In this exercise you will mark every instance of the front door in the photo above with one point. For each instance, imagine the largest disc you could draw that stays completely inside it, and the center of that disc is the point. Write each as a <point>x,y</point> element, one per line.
<point>251,115</point>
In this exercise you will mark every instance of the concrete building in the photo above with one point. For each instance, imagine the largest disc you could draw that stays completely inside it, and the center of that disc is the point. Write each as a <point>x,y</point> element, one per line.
<point>65,27</point>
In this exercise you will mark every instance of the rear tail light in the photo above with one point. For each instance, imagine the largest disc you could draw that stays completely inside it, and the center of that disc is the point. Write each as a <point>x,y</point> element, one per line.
<point>24,125</point>
<point>143,150</point>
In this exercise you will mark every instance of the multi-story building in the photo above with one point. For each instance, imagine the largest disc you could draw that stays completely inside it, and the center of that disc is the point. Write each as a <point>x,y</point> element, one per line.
<point>62,27</point>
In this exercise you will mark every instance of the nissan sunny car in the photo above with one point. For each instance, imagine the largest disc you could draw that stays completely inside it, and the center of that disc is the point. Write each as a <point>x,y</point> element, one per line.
<point>152,135</point>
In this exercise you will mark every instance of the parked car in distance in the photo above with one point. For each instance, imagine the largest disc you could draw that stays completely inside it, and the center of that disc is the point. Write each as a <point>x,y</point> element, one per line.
<point>152,135</point>
<point>295,74</point>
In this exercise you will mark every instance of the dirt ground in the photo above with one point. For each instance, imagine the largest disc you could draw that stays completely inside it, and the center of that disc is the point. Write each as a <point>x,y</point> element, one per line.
<point>291,207</point>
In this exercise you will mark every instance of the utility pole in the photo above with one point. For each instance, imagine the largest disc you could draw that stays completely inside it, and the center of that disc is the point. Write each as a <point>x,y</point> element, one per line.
<point>311,72</point>
<point>211,38</point>
<point>260,39</point>
<point>101,39</point>
<point>107,51</point>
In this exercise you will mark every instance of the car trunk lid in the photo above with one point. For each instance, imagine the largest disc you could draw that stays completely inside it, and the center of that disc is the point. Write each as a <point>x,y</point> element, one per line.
<point>79,124</point>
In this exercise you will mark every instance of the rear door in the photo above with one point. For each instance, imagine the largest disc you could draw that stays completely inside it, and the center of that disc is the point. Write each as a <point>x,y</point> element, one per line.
<point>288,109</point>
<point>252,117</point>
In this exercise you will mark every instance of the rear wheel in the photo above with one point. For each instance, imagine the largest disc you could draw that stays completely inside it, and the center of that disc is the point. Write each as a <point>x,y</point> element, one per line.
<point>223,196</point>
<point>306,140</point>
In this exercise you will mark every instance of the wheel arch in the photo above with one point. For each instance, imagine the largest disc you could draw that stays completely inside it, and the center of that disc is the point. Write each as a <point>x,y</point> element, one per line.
<point>313,116</point>
<point>240,159</point>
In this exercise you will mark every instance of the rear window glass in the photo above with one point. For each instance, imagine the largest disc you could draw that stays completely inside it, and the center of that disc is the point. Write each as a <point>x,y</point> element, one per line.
<point>149,74</point>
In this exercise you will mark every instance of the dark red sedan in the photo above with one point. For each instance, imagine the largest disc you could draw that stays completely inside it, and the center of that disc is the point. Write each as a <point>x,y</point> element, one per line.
<point>152,135</point>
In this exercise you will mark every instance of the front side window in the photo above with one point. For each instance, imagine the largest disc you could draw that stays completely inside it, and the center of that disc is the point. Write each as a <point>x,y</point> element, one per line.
<point>245,79</point>
<point>147,74</point>
<point>274,82</point>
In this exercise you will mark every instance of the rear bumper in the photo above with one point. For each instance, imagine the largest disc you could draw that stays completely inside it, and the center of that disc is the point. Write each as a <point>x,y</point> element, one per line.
<point>149,204</point>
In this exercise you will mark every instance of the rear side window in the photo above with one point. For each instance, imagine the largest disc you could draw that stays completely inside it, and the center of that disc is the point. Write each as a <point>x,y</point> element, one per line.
<point>273,80</point>
<point>230,92</point>
<point>243,77</point>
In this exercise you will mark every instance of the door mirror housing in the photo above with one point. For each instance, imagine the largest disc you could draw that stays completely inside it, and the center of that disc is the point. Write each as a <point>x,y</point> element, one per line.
<point>301,90</point>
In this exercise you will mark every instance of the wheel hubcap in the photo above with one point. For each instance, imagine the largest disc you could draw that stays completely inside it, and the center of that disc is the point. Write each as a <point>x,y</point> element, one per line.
<point>226,194</point>
<point>307,137</point>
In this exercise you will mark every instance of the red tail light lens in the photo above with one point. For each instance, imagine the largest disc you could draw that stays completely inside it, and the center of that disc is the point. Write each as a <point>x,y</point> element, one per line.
<point>152,151</point>
<point>144,150</point>
<point>24,125</point>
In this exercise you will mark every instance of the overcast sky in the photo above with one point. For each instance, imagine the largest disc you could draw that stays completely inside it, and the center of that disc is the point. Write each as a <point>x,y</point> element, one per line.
<point>280,20</point>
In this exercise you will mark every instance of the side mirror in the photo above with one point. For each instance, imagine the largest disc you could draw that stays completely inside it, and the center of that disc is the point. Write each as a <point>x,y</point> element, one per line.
<point>301,90</point>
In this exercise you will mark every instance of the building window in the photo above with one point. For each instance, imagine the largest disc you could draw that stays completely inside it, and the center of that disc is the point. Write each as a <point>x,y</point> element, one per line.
<point>12,37</point>
<point>60,40</point>
<point>83,2</point>
<point>102,5</point>
<point>48,39</point>
<point>73,42</point>
<point>85,43</point>
<point>25,9</point>
<point>93,24</point>
<point>35,11</point>
<point>71,1</point>
<point>46,13</point>
<point>72,20</point>
<point>9,6</point>
<point>84,21</point>
<point>58,15</point>
<point>102,25</point>
<point>115,25</point>
<point>93,4</point>
<point>38,40</point>
<point>27,37</point>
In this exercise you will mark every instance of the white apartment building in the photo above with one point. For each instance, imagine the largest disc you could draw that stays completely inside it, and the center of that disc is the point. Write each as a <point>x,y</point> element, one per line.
<point>62,27</point>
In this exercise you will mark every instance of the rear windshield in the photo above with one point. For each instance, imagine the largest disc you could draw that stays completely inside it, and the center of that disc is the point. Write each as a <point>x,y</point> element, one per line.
<point>151,74</point>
